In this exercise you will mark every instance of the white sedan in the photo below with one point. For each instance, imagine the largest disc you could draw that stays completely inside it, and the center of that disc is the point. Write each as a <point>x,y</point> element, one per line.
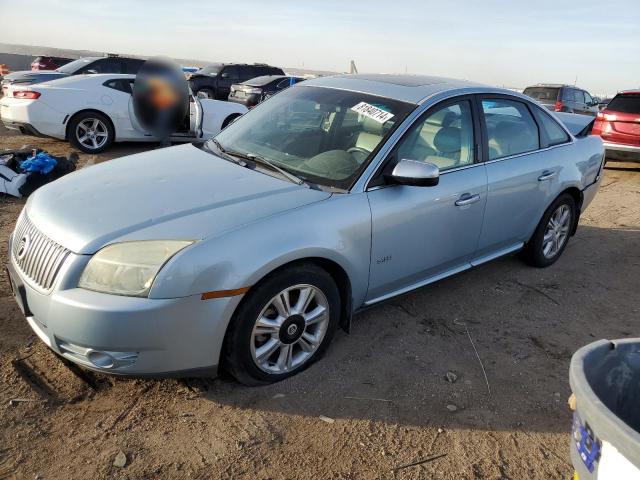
<point>93,111</point>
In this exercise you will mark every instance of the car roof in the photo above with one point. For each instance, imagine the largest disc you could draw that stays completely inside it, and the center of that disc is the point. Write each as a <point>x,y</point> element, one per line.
<point>406,88</point>
<point>634,91</point>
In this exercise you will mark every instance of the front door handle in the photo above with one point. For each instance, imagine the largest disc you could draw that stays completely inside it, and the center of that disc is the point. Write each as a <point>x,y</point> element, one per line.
<point>546,175</point>
<point>467,199</point>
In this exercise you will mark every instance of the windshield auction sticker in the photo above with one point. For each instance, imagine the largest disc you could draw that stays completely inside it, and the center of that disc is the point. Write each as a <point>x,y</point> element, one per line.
<point>374,113</point>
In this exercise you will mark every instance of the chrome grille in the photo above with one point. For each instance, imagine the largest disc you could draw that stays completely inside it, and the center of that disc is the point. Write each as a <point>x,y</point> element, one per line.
<point>38,257</point>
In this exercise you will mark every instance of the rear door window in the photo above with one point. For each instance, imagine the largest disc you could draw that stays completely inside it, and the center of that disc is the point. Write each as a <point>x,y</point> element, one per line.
<point>625,103</point>
<point>121,84</point>
<point>232,73</point>
<point>511,129</point>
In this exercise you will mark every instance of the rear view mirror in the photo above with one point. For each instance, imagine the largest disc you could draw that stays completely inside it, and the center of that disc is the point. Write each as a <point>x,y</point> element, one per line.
<point>413,173</point>
<point>225,75</point>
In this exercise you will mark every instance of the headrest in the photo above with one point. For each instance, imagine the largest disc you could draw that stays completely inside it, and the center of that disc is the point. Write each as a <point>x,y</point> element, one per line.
<point>448,140</point>
<point>372,126</point>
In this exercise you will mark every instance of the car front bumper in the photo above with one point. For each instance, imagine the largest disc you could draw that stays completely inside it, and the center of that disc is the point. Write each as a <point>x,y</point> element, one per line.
<point>125,335</point>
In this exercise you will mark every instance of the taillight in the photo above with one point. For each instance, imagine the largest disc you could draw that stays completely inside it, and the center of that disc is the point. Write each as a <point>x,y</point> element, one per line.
<point>558,106</point>
<point>26,94</point>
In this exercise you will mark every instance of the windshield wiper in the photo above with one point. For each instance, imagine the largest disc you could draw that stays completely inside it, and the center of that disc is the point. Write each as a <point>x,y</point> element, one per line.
<point>264,162</point>
<point>258,159</point>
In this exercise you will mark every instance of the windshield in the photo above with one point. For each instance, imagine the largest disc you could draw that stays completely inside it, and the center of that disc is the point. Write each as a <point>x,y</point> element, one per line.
<point>322,135</point>
<point>542,94</point>
<point>74,66</point>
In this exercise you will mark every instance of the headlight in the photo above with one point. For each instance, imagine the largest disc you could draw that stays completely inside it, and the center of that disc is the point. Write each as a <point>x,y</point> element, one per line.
<point>129,268</point>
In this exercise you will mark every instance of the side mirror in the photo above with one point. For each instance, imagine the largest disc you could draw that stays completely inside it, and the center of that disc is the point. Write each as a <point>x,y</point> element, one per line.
<point>413,173</point>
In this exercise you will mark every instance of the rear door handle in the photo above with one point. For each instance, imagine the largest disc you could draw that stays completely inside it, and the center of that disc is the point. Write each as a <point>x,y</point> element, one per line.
<point>467,199</point>
<point>546,175</point>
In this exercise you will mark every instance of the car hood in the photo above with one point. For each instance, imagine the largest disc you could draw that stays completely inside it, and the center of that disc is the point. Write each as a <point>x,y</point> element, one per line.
<point>30,77</point>
<point>174,193</point>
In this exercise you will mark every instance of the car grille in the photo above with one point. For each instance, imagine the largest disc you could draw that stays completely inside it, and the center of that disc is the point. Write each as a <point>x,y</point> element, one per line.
<point>37,257</point>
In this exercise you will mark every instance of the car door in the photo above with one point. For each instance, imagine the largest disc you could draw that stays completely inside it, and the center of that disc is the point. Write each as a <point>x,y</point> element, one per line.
<point>120,108</point>
<point>522,172</point>
<point>579,100</point>
<point>421,233</point>
<point>591,106</point>
<point>228,77</point>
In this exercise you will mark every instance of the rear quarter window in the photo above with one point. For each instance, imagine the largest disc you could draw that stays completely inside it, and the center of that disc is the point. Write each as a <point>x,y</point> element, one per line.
<point>552,132</point>
<point>625,103</point>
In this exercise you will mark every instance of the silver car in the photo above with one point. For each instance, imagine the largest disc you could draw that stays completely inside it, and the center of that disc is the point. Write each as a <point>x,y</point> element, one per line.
<point>248,251</point>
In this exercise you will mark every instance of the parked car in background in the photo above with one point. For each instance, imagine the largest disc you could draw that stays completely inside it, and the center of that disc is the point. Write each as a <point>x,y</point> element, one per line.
<point>602,103</point>
<point>49,63</point>
<point>108,64</point>
<point>248,251</point>
<point>214,81</point>
<point>93,111</point>
<point>619,126</point>
<point>563,98</point>
<point>252,92</point>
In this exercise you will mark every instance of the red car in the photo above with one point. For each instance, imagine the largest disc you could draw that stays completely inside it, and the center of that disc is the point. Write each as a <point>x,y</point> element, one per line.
<point>619,126</point>
<point>48,63</point>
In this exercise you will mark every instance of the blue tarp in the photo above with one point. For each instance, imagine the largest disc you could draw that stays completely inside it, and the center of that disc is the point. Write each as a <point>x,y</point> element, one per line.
<point>41,163</point>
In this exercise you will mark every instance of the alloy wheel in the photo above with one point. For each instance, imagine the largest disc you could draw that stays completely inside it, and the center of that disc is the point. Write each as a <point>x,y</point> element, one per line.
<point>289,329</point>
<point>92,133</point>
<point>557,231</point>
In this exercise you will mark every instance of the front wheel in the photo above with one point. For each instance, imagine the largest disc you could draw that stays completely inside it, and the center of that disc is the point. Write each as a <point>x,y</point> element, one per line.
<point>285,323</point>
<point>552,234</point>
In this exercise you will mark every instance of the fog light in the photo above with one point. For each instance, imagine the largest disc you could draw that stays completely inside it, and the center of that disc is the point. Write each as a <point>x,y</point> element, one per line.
<point>100,359</point>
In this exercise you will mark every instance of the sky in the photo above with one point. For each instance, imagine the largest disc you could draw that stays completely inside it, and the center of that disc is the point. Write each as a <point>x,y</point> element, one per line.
<point>595,44</point>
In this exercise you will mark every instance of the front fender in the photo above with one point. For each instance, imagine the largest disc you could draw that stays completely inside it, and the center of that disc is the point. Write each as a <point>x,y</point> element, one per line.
<point>337,229</point>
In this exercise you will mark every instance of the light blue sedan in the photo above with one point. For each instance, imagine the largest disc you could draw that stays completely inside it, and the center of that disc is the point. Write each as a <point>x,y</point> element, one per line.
<point>250,250</point>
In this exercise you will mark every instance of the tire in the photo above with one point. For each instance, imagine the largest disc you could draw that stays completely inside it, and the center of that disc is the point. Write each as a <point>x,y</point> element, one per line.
<point>81,126</point>
<point>541,250</point>
<point>247,345</point>
<point>229,120</point>
<point>206,93</point>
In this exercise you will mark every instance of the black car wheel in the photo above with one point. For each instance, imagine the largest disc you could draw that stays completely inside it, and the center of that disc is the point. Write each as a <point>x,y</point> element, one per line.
<point>553,232</point>
<point>91,132</point>
<point>283,325</point>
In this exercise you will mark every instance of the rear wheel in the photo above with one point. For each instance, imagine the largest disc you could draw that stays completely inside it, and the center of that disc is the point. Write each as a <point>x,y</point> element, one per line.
<point>91,132</point>
<point>285,323</point>
<point>553,232</point>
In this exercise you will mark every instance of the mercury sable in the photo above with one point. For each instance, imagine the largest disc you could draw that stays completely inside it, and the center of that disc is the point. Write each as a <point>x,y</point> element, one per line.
<point>249,250</point>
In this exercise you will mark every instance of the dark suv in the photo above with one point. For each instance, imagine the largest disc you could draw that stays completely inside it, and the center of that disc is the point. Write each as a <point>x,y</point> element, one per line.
<point>563,98</point>
<point>214,81</point>
<point>110,64</point>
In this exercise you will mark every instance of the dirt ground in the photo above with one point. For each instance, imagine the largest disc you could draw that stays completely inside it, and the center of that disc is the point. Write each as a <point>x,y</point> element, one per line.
<point>383,387</point>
